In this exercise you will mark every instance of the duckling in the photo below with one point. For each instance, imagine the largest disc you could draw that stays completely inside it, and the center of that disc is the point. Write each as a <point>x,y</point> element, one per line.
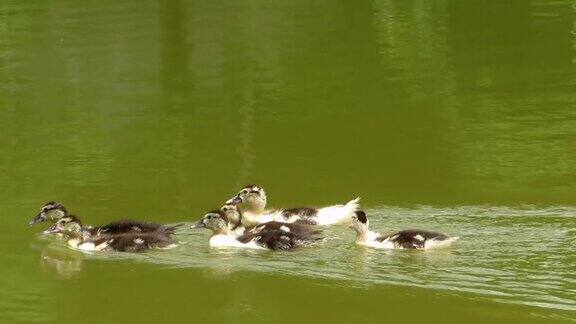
<point>253,200</point>
<point>87,239</point>
<point>55,211</point>
<point>405,239</point>
<point>271,235</point>
<point>234,216</point>
<point>51,210</point>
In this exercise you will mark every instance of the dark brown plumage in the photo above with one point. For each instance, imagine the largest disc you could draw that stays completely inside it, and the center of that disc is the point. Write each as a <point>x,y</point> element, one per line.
<point>54,205</point>
<point>134,236</point>
<point>307,215</point>
<point>292,227</point>
<point>361,215</point>
<point>130,226</point>
<point>134,242</point>
<point>124,236</point>
<point>280,236</point>
<point>412,239</point>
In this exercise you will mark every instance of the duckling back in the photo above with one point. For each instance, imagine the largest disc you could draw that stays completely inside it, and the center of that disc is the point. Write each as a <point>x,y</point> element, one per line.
<point>280,236</point>
<point>131,226</point>
<point>139,242</point>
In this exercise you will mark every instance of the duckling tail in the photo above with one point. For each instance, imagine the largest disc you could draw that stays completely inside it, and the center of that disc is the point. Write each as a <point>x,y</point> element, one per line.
<point>338,213</point>
<point>436,244</point>
<point>171,229</point>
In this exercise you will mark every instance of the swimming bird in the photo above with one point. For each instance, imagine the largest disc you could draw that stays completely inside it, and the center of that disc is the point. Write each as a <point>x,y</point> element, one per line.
<point>234,217</point>
<point>86,239</point>
<point>271,235</point>
<point>405,239</point>
<point>54,211</point>
<point>253,199</point>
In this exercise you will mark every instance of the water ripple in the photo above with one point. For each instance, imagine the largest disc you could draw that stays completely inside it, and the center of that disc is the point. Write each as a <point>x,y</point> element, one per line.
<point>512,255</point>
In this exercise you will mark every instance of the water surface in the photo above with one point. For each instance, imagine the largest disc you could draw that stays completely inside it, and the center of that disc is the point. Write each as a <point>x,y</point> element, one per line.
<point>456,116</point>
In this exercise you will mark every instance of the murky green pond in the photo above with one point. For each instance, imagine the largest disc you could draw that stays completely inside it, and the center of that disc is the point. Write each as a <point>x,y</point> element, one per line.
<point>456,116</point>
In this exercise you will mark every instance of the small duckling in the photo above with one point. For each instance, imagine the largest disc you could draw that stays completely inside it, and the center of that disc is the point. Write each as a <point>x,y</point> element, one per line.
<point>253,200</point>
<point>51,210</point>
<point>234,216</point>
<point>406,239</point>
<point>86,239</point>
<point>55,211</point>
<point>271,235</point>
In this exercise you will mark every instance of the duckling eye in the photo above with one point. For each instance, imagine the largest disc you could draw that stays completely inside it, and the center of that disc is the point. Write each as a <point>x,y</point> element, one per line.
<point>245,191</point>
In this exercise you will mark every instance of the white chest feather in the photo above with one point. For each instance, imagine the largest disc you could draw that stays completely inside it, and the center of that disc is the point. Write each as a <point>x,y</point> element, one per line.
<point>86,246</point>
<point>370,240</point>
<point>226,240</point>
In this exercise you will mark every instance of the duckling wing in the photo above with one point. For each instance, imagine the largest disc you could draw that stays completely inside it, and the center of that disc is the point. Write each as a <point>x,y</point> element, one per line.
<point>305,215</point>
<point>300,211</point>
<point>138,242</point>
<point>130,226</point>
<point>300,229</point>
<point>270,239</point>
<point>412,239</point>
<point>280,236</point>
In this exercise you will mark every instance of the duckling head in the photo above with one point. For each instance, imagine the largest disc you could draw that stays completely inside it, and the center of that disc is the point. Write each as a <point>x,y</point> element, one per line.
<point>233,214</point>
<point>252,197</point>
<point>52,210</point>
<point>360,222</point>
<point>69,225</point>
<point>215,221</point>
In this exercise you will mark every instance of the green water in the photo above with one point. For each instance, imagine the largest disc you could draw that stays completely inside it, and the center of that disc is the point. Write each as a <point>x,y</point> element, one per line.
<point>456,116</point>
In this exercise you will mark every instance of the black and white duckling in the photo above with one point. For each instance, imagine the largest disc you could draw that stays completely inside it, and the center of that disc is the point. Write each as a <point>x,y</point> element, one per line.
<point>405,239</point>
<point>253,199</point>
<point>54,211</point>
<point>87,239</point>
<point>271,235</point>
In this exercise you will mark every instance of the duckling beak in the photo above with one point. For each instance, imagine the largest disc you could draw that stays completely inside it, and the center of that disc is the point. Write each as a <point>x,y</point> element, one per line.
<point>199,224</point>
<point>234,200</point>
<point>52,230</point>
<point>37,219</point>
<point>351,225</point>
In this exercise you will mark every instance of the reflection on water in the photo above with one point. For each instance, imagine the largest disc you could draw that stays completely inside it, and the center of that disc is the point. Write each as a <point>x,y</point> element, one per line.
<point>64,262</point>
<point>245,140</point>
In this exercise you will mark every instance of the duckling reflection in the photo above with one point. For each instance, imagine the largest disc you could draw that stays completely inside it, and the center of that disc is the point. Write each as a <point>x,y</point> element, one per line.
<point>363,260</point>
<point>405,239</point>
<point>253,200</point>
<point>86,239</point>
<point>64,262</point>
<point>270,235</point>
